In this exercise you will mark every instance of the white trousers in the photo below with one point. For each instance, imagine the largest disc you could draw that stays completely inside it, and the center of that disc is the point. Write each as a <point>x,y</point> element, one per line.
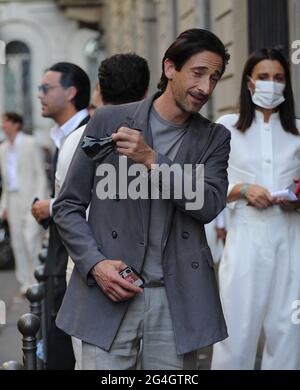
<point>26,239</point>
<point>259,278</point>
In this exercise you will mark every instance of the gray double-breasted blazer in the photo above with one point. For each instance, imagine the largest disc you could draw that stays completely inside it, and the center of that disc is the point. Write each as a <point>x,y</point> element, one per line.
<point>118,229</point>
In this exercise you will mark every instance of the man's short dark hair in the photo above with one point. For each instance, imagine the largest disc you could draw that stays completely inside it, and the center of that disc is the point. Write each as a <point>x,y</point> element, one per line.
<point>14,118</point>
<point>73,76</point>
<point>189,43</point>
<point>123,78</point>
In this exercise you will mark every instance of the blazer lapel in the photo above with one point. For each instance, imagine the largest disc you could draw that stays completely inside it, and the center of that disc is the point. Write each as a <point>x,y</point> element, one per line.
<point>191,151</point>
<point>140,121</point>
<point>83,122</point>
<point>195,141</point>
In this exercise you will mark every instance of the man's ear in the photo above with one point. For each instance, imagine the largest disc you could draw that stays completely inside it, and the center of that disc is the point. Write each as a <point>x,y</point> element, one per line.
<point>169,69</point>
<point>71,93</point>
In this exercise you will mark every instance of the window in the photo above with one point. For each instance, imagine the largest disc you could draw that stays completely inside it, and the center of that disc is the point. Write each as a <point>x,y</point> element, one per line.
<point>17,79</point>
<point>268,25</point>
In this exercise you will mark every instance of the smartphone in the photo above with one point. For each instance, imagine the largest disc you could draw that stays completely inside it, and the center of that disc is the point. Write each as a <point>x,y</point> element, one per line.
<point>130,274</point>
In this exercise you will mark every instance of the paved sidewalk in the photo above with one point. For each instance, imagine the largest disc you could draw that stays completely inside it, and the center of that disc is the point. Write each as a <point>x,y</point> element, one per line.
<point>10,337</point>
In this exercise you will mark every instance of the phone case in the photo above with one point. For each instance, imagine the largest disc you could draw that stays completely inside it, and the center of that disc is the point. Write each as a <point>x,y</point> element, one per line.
<point>295,188</point>
<point>132,276</point>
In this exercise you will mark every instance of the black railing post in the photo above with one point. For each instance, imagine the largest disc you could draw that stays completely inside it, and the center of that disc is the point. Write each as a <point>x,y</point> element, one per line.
<point>43,255</point>
<point>35,295</point>
<point>41,277</point>
<point>28,325</point>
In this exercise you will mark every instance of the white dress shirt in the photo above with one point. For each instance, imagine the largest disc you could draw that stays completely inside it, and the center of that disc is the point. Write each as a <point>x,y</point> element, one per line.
<point>11,164</point>
<point>65,157</point>
<point>59,133</point>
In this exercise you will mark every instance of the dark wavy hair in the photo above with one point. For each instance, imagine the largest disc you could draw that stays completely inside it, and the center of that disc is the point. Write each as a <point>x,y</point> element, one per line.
<point>189,43</point>
<point>73,76</point>
<point>123,78</point>
<point>246,105</point>
<point>14,117</point>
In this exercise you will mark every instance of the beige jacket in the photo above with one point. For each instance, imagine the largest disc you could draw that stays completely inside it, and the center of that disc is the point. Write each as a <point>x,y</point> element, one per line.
<point>31,174</point>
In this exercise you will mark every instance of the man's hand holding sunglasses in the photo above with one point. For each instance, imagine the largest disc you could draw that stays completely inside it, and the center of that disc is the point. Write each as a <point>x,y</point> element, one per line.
<point>131,143</point>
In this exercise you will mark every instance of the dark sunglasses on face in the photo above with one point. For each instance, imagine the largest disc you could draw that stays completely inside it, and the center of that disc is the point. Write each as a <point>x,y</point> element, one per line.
<point>45,88</point>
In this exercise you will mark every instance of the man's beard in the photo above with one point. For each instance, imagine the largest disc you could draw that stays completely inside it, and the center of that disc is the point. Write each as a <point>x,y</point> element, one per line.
<point>46,113</point>
<point>183,106</point>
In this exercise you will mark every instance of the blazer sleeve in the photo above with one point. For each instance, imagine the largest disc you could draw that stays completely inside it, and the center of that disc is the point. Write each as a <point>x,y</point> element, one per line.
<point>69,209</point>
<point>214,187</point>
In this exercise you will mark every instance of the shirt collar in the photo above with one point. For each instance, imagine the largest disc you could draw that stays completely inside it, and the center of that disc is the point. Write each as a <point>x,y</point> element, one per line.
<point>59,133</point>
<point>259,116</point>
<point>17,140</point>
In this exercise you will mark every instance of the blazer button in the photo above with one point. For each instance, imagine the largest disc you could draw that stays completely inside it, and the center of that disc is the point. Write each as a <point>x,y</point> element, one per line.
<point>195,265</point>
<point>114,235</point>
<point>185,235</point>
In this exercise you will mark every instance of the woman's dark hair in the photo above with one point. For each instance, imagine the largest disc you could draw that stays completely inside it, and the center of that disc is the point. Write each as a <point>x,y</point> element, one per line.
<point>123,78</point>
<point>189,43</point>
<point>247,107</point>
<point>14,118</point>
<point>73,76</point>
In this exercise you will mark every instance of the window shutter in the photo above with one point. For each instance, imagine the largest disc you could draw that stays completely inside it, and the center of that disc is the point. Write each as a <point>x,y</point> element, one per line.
<point>268,25</point>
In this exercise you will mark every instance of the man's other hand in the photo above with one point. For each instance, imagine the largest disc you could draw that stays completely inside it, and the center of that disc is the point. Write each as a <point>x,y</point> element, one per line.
<point>41,210</point>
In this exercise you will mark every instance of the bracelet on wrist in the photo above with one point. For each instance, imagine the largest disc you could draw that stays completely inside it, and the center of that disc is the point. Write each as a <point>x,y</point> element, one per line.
<point>244,190</point>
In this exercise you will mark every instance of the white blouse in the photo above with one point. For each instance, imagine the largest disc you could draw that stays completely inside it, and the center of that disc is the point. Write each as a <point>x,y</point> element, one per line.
<point>265,154</point>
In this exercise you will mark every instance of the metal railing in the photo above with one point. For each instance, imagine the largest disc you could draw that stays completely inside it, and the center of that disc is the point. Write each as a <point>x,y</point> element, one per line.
<point>34,325</point>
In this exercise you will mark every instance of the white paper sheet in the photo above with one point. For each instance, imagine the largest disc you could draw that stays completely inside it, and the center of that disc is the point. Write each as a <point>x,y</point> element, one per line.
<point>285,194</point>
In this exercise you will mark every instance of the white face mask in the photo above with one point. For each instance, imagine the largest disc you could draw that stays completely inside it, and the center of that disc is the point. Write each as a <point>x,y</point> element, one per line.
<point>268,94</point>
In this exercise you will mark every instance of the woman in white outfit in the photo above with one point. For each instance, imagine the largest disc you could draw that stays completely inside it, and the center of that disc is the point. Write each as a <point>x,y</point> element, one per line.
<point>259,274</point>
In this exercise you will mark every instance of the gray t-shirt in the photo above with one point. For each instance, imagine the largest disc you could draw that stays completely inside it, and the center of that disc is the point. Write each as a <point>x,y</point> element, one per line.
<point>167,138</point>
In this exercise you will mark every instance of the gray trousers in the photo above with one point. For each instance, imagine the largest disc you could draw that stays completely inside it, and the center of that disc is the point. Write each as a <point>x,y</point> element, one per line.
<point>145,339</point>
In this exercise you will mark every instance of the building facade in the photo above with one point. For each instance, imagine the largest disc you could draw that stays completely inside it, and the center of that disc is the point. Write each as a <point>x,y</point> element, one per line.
<point>37,34</point>
<point>149,26</point>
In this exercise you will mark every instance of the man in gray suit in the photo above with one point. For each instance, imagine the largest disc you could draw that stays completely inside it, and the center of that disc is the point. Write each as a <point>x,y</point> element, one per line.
<point>179,310</point>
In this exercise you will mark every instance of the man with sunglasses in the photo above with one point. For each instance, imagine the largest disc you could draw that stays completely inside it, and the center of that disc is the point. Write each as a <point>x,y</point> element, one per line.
<point>64,94</point>
<point>112,89</point>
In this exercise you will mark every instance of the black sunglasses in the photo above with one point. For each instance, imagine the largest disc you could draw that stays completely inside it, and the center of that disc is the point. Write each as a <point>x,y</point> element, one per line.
<point>45,88</point>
